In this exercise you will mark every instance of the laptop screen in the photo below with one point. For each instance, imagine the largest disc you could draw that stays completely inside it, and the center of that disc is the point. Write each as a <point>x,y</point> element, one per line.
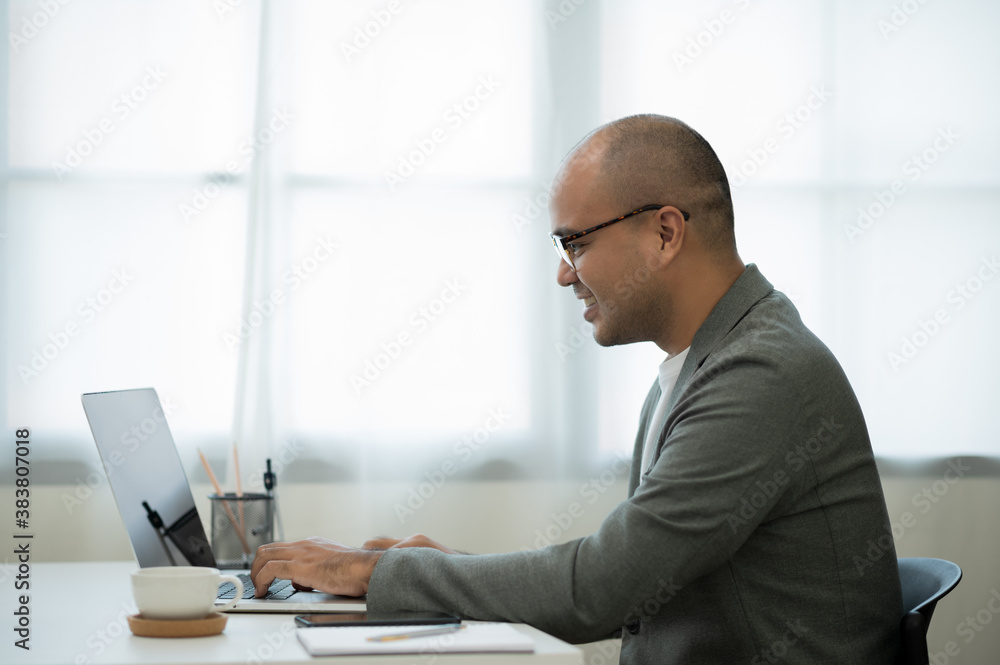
<point>147,479</point>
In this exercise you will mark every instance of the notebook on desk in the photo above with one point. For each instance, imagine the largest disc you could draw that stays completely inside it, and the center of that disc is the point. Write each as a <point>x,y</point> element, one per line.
<point>147,479</point>
<point>357,641</point>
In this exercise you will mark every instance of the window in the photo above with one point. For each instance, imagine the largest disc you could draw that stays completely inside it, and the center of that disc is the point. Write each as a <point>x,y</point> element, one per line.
<point>817,110</point>
<point>325,222</point>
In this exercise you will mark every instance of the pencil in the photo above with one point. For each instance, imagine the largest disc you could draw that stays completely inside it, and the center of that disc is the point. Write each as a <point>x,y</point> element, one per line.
<point>450,628</point>
<point>239,488</point>
<point>225,504</point>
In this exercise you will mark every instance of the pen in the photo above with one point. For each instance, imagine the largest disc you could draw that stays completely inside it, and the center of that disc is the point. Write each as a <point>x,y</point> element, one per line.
<point>270,482</point>
<point>417,633</point>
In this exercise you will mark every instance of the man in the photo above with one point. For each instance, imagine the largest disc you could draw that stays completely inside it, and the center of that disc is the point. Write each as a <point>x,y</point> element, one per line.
<point>753,502</point>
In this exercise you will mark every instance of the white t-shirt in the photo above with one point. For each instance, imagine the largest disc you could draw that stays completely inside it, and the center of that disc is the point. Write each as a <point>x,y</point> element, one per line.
<point>669,370</point>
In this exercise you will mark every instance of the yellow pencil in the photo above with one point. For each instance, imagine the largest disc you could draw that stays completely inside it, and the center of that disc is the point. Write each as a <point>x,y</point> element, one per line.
<point>225,504</point>
<point>450,628</point>
<point>239,488</point>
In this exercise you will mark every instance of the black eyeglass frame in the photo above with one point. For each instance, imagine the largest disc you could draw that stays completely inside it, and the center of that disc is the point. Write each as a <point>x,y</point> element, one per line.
<point>560,242</point>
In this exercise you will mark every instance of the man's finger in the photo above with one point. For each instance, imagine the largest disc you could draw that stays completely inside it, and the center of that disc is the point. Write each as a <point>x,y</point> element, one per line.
<point>269,571</point>
<point>266,553</point>
<point>382,543</point>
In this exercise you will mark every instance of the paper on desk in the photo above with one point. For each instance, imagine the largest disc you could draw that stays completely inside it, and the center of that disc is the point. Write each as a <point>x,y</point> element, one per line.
<point>474,638</point>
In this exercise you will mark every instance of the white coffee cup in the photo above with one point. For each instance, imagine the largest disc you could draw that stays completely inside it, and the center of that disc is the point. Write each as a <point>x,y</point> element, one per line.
<point>180,592</point>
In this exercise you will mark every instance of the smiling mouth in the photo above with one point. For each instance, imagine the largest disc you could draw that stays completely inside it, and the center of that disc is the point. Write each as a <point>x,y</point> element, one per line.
<point>587,302</point>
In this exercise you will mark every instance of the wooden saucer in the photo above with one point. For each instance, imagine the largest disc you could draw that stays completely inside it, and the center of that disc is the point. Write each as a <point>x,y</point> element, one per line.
<point>211,624</point>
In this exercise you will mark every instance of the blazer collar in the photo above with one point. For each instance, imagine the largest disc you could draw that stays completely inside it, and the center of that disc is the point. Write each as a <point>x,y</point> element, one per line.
<point>745,292</point>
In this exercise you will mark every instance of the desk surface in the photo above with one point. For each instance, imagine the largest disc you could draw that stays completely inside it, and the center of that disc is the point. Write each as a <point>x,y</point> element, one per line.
<point>78,617</point>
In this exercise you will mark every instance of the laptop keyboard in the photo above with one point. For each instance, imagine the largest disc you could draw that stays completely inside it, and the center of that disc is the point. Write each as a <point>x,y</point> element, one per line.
<point>279,589</point>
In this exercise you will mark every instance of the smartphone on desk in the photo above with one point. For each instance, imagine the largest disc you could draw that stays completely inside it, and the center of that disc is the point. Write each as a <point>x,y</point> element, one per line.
<point>375,619</point>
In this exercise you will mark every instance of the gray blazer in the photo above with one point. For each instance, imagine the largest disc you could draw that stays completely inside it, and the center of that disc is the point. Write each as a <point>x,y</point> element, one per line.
<point>759,534</point>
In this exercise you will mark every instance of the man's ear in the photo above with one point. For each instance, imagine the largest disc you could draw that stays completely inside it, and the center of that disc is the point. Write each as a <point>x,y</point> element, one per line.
<point>672,230</point>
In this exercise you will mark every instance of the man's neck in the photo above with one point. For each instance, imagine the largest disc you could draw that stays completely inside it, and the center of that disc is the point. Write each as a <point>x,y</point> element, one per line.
<point>694,302</point>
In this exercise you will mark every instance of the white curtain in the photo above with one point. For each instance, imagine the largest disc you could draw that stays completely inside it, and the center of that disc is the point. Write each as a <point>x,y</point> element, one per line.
<point>318,229</point>
<point>861,144</point>
<point>256,337</point>
<point>314,207</point>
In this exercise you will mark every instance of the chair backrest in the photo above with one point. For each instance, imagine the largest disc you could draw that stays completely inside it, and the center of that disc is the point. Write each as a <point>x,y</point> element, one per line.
<point>924,582</point>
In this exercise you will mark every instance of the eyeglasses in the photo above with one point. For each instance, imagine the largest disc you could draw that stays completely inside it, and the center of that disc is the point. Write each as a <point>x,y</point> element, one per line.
<point>565,248</point>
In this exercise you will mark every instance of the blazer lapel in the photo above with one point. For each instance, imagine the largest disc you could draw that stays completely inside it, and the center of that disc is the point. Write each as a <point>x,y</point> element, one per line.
<point>746,291</point>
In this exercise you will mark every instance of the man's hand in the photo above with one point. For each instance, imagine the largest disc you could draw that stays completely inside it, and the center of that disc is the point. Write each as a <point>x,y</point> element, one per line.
<point>416,540</point>
<point>314,563</point>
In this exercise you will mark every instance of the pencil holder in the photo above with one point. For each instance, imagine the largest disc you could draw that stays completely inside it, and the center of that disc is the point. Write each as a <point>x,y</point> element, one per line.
<point>239,526</point>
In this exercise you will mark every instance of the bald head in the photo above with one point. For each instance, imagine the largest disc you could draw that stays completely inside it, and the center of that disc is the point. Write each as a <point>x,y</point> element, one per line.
<point>644,159</point>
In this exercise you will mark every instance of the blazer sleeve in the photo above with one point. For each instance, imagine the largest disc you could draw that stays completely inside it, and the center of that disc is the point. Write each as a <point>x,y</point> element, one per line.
<point>726,438</point>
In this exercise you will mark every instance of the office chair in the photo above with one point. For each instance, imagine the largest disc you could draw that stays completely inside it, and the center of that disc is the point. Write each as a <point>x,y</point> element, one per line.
<point>924,583</point>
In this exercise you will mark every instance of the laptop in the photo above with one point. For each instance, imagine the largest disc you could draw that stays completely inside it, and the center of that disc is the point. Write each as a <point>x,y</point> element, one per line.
<point>155,501</point>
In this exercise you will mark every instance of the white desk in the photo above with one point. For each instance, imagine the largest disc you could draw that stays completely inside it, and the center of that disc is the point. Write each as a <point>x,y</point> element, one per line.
<point>73,622</point>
